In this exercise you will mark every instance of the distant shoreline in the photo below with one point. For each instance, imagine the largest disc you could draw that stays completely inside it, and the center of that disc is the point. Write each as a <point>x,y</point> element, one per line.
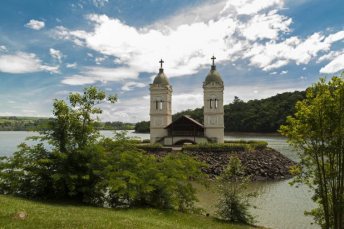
<point>251,134</point>
<point>236,133</point>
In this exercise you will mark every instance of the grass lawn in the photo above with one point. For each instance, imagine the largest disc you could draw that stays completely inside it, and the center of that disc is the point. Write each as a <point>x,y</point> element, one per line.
<point>69,215</point>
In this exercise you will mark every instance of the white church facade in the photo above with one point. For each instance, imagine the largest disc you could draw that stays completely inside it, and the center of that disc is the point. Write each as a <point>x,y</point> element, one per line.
<point>186,129</point>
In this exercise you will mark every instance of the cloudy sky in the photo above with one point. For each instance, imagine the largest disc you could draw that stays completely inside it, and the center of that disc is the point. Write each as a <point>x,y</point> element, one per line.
<point>49,48</point>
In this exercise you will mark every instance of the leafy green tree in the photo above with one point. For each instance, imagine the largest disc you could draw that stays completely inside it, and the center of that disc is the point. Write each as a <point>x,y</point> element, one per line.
<point>234,200</point>
<point>65,170</point>
<point>135,178</point>
<point>317,131</point>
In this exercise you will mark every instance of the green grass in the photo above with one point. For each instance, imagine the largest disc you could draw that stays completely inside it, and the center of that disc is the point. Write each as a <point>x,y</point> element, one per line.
<point>69,215</point>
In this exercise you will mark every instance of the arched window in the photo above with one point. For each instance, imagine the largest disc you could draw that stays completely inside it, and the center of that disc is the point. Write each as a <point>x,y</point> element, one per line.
<point>211,103</point>
<point>158,105</point>
<point>216,103</point>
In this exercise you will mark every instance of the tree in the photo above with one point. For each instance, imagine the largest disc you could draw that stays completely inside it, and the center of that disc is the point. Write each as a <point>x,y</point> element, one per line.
<point>65,170</point>
<point>317,132</point>
<point>234,201</point>
<point>135,178</point>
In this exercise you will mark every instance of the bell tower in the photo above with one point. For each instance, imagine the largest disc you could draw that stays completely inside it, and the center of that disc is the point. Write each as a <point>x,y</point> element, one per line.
<point>213,105</point>
<point>160,106</point>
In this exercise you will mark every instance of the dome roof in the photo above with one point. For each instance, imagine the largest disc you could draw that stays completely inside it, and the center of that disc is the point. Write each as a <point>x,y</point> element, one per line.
<point>213,76</point>
<point>161,78</point>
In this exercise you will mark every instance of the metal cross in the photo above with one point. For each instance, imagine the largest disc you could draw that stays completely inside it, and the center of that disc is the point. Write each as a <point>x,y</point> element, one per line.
<point>213,58</point>
<point>161,62</point>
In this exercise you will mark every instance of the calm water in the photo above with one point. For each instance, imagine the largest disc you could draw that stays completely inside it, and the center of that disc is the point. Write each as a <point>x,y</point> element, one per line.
<point>279,206</point>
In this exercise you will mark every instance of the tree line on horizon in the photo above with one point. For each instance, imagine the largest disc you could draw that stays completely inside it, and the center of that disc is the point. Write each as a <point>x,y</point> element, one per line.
<point>14,123</point>
<point>260,116</point>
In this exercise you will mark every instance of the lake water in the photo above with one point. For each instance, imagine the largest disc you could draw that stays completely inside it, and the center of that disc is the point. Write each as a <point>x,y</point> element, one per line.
<point>279,206</point>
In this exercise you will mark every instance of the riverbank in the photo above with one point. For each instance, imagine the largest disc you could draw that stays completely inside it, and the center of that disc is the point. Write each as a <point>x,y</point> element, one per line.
<point>22,213</point>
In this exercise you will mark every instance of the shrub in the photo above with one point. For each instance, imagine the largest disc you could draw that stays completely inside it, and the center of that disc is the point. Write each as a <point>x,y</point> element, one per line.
<point>220,147</point>
<point>234,201</point>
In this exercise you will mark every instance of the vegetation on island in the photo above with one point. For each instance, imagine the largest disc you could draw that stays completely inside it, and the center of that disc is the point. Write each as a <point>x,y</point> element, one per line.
<point>317,132</point>
<point>258,116</point>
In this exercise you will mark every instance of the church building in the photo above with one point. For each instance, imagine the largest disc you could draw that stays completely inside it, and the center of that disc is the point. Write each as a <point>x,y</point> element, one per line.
<point>186,129</point>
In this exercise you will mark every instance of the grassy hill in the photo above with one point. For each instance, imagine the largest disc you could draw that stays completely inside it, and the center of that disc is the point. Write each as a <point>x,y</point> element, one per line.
<point>69,215</point>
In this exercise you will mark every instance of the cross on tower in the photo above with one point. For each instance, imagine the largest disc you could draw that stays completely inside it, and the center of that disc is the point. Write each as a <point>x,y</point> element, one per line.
<point>213,58</point>
<point>161,62</point>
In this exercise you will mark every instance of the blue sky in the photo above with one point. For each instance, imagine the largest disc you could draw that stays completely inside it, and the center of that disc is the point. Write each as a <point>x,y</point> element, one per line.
<point>49,48</point>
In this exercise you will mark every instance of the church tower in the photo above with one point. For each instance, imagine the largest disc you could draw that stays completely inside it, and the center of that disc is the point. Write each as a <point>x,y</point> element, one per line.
<point>213,105</point>
<point>160,106</point>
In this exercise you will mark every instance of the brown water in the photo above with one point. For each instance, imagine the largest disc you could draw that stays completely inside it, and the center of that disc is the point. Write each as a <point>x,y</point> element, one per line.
<point>279,206</point>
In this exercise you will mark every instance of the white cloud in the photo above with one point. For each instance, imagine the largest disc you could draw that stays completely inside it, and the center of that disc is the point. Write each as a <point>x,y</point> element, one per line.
<point>99,3</point>
<point>29,111</point>
<point>91,75</point>
<point>56,54</point>
<point>304,68</point>
<point>108,89</point>
<point>265,26</point>
<point>24,63</point>
<point>3,48</point>
<point>98,60</point>
<point>131,85</point>
<point>71,65</point>
<point>250,7</point>
<point>231,30</point>
<point>273,55</point>
<point>273,73</point>
<point>78,80</point>
<point>283,72</point>
<point>36,25</point>
<point>330,56</point>
<point>334,66</point>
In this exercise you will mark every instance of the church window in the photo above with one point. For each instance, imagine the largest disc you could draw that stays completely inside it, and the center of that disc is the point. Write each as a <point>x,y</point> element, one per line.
<point>160,105</point>
<point>216,103</point>
<point>156,105</point>
<point>211,103</point>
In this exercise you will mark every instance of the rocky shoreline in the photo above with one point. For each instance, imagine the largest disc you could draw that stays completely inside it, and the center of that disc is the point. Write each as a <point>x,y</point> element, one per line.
<point>264,164</point>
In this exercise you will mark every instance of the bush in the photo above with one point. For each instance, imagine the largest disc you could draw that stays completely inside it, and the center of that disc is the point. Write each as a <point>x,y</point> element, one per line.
<point>146,141</point>
<point>234,201</point>
<point>154,147</point>
<point>220,147</point>
<point>134,178</point>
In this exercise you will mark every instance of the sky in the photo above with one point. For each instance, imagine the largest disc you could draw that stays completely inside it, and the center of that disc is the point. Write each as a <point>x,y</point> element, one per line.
<point>50,48</point>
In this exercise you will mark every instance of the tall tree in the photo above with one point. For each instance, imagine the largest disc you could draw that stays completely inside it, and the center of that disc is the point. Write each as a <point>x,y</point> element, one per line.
<point>317,131</point>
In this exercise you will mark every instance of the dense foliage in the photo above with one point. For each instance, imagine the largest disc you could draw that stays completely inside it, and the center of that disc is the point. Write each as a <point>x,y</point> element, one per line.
<point>79,164</point>
<point>142,127</point>
<point>14,123</point>
<point>234,199</point>
<point>117,126</point>
<point>317,131</point>
<point>19,123</point>
<point>226,147</point>
<point>262,116</point>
